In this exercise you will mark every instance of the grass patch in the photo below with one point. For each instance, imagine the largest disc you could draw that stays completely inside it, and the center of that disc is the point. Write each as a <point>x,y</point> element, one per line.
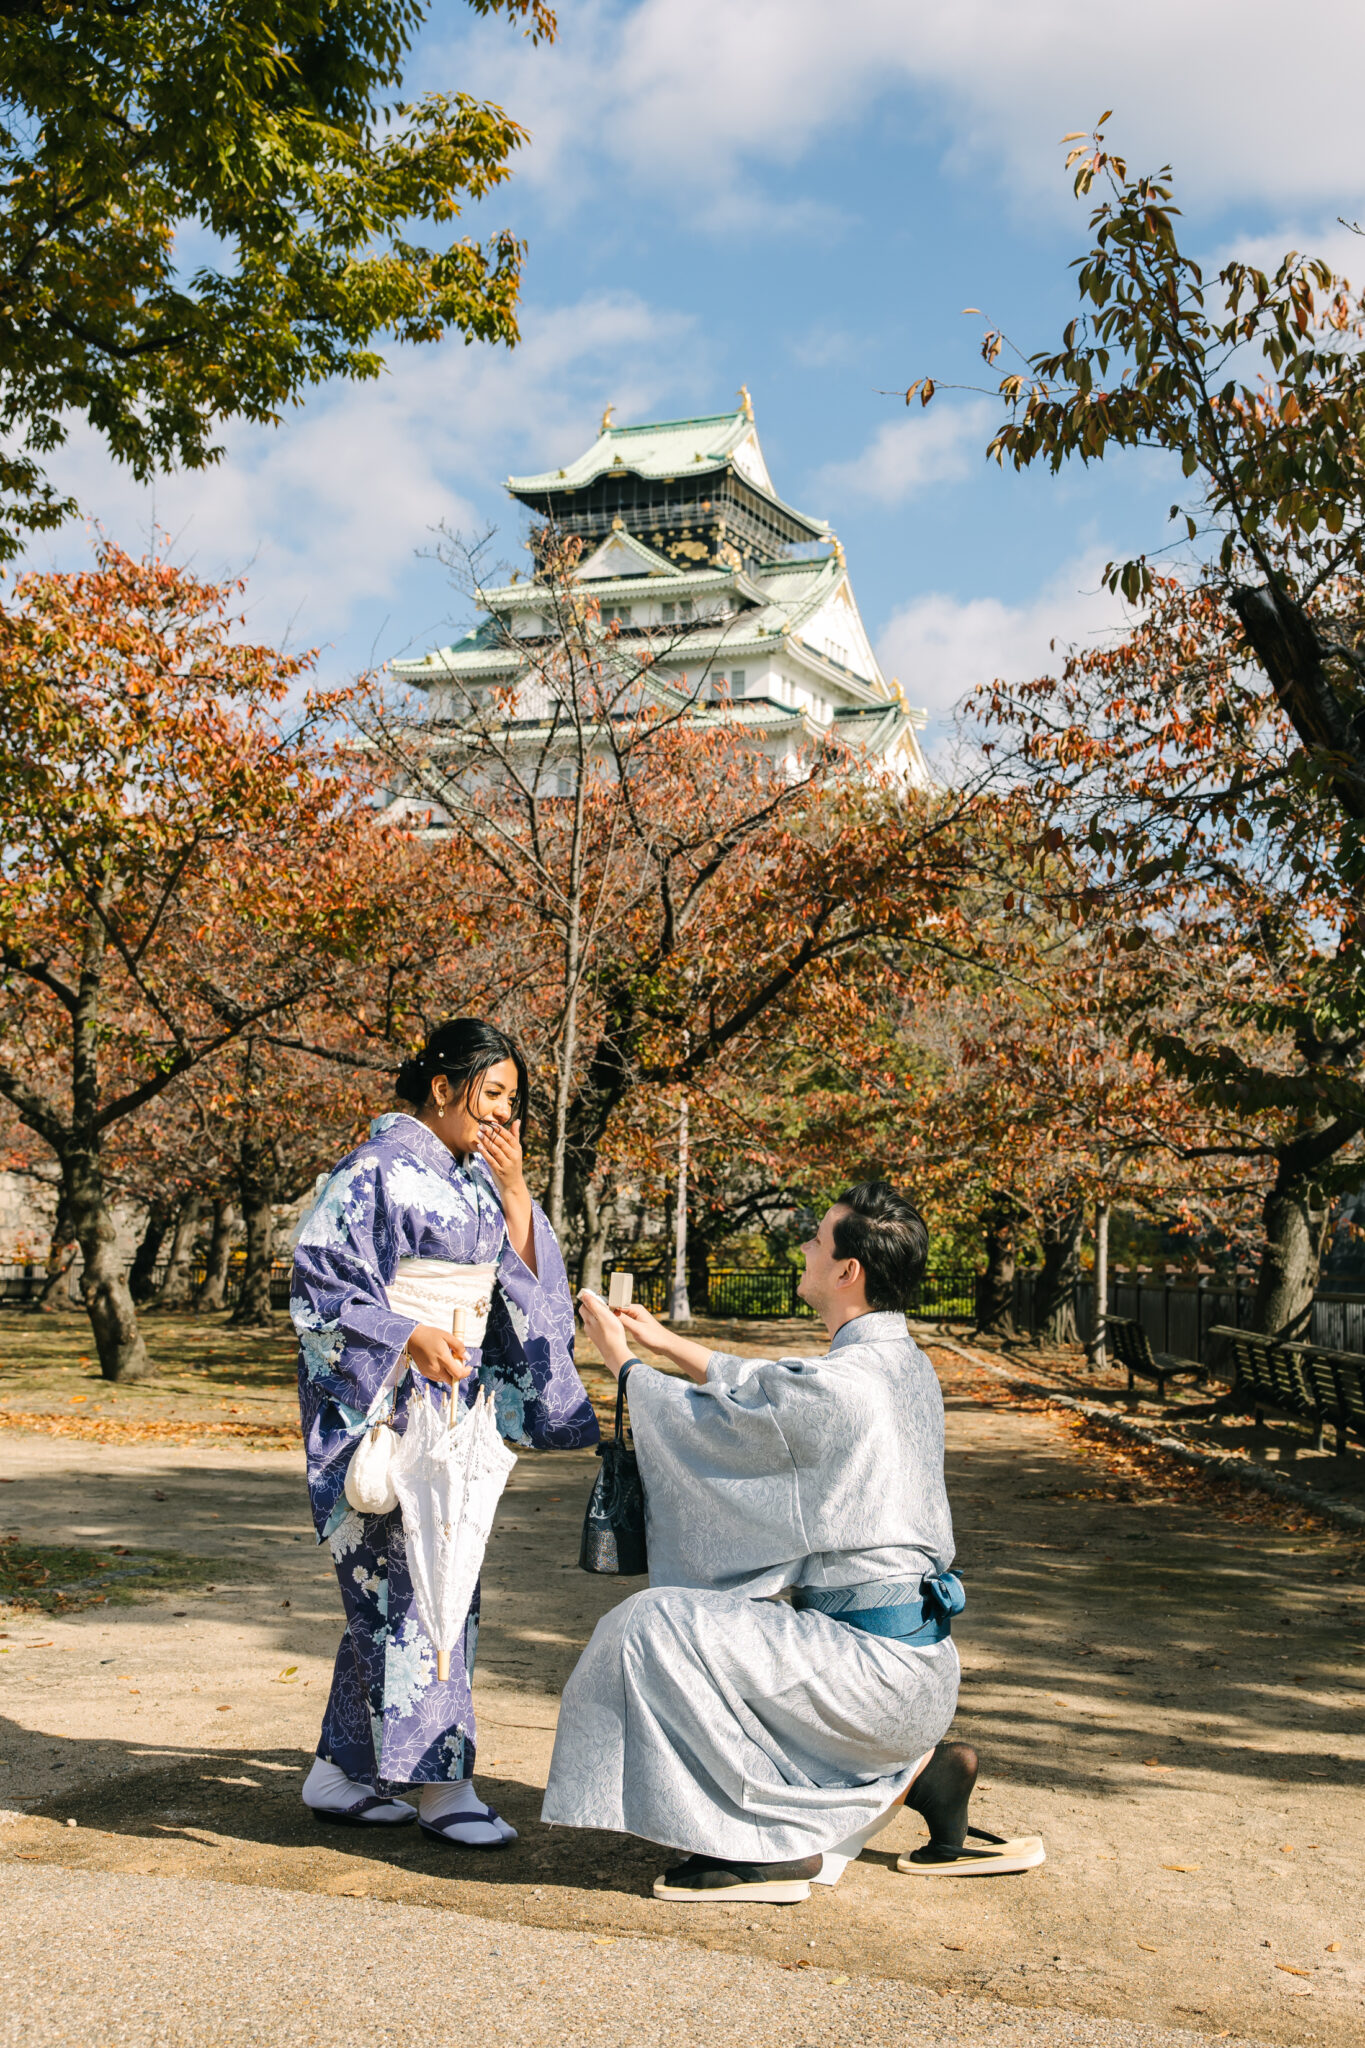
<point>54,1578</point>
<point>209,1382</point>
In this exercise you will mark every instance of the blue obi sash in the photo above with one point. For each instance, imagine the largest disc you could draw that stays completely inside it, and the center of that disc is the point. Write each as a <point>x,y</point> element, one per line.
<point>907,1610</point>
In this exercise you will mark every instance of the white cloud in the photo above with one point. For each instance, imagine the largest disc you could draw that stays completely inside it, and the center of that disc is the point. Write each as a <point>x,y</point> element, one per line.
<point>942,647</point>
<point>686,93</point>
<point>327,511</point>
<point>1332,243</point>
<point>936,445</point>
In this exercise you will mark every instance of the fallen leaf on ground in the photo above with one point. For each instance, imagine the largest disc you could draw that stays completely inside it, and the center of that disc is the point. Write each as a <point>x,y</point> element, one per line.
<point>104,1429</point>
<point>1332,1947</point>
<point>1148,1946</point>
<point>1180,1866</point>
<point>839,1980</point>
<point>1291,1971</point>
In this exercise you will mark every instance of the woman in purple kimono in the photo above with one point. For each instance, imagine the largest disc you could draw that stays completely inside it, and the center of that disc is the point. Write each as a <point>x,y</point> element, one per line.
<point>441,1181</point>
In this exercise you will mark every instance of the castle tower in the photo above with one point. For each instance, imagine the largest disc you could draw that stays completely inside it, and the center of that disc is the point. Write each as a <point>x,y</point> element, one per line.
<point>684,536</point>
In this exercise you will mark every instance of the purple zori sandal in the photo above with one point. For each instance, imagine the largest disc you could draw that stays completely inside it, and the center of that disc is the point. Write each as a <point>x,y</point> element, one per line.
<point>369,1812</point>
<point>453,1828</point>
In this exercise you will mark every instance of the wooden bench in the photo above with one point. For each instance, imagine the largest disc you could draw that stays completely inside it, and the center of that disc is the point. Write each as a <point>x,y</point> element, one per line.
<point>1305,1381</point>
<point>1133,1349</point>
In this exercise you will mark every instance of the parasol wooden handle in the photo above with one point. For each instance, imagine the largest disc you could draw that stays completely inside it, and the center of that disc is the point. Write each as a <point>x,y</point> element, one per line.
<point>443,1665</point>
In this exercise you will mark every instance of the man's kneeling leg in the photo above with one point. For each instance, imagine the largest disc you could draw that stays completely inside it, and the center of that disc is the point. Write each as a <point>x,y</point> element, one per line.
<point>941,1795</point>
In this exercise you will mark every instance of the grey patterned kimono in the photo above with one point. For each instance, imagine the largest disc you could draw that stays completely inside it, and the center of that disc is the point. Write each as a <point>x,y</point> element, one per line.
<point>707,1715</point>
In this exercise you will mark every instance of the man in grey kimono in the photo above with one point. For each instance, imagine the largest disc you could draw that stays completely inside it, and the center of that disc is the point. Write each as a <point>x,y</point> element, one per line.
<point>771,1740</point>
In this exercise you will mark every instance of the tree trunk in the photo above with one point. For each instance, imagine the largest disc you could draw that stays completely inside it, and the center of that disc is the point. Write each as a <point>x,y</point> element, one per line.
<point>995,1300</point>
<point>599,1210</point>
<point>1295,1219</point>
<point>108,1301</point>
<point>257,1173</point>
<point>1097,1348</point>
<point>1285,642</point>
<point>140,1284</point>
<point>213,1293</point>
<point>61,1253</point>
<point>567,1046</point>
<point>1055,1314</point>
<point>679,1307</point>
<point>698,1272</point>
<point>175,1288</point>
<point>1296,1215</point>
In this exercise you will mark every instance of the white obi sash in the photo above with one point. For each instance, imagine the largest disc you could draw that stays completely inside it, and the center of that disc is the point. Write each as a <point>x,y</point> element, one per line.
<point>446,1295</point>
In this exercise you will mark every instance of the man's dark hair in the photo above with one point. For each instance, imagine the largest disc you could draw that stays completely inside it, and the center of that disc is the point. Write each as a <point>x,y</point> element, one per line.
<point>888,1237</point>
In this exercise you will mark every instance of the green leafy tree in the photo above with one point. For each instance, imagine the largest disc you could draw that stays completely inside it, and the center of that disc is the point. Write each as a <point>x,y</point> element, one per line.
<point>206,209</point>
<point>1256,385</point>
<point>1221,751</point>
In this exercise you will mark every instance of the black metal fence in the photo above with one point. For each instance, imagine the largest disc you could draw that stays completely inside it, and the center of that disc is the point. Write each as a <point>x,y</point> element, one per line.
<point>20,1285</point>
<point>728,1290</point>
<point>771,1291</point>
<point>1177,1311</point>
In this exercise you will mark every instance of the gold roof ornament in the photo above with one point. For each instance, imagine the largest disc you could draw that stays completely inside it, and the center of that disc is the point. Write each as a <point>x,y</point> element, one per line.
<point>746,403</point>
<point>605,427</point>
<point>838,551</point>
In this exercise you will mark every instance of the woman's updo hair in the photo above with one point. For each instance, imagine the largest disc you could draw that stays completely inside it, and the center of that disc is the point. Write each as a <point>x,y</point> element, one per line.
<point>463,1050</point>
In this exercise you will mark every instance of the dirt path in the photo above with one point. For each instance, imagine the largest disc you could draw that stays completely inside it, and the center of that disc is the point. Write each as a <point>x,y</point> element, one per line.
<point>1164,1683</point>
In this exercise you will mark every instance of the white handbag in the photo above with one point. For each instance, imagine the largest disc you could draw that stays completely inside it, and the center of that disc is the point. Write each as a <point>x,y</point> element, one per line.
<point>369,1485</point>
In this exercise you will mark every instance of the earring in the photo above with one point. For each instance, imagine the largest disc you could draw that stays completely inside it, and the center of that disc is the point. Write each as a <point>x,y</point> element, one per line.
<point>440,1109</point>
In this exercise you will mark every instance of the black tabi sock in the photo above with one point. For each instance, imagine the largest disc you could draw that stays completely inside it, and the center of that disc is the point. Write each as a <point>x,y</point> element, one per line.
<point>942,1792</point>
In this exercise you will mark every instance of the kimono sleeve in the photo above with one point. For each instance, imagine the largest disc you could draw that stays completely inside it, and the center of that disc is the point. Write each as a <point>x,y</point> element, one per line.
<point>349,1338</point>
<point>527,1359</point>
<point>722,1505</point>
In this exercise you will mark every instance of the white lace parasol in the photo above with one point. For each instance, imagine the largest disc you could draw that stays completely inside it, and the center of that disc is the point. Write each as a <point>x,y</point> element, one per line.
<point>448,1472</point>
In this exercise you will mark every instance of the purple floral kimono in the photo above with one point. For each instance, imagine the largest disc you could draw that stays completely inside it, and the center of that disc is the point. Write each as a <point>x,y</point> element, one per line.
<point>402,1195</point>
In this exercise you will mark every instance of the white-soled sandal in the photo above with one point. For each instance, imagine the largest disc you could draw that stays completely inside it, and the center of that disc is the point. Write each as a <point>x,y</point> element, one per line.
<point>999,1859</point>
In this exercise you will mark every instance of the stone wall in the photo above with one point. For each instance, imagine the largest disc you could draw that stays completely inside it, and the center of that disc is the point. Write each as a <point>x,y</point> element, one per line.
<point>27,1208</point>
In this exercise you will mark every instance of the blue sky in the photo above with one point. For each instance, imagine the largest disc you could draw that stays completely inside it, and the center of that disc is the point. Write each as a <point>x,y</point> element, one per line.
<point>800,198</point>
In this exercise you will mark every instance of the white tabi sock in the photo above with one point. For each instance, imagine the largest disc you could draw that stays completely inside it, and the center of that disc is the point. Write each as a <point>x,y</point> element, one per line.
<point>327,1789</point>
<point>439,1802</point>
<point>837,1860</point>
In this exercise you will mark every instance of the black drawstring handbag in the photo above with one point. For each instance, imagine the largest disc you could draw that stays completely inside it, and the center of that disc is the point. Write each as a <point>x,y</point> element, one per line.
<point>614,1526</point>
